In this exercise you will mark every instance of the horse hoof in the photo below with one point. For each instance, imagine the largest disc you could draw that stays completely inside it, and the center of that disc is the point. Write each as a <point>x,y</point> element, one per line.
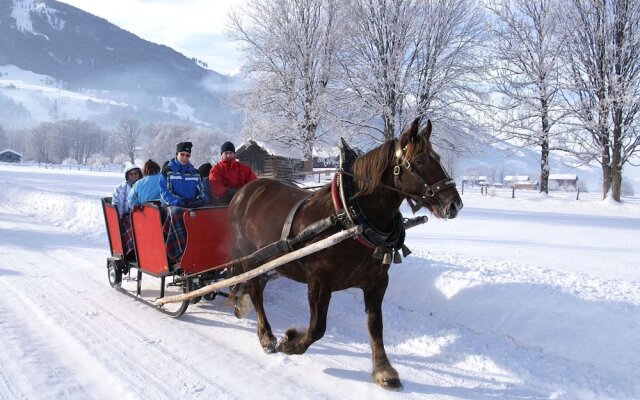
<point>392,384</point>
<point>388,380</point>
<point>243,306</point>
<point>270,349</point>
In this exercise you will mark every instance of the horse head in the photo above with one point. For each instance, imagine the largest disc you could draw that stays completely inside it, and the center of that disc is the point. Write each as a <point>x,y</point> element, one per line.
<point>417,171</point>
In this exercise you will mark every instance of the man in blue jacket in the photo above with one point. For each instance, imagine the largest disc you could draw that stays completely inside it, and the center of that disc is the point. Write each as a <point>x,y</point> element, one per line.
<point>180,188</point>
<point>180,184</point>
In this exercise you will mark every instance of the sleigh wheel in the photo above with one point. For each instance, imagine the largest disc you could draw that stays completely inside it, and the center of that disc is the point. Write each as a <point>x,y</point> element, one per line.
<point>114,274</point>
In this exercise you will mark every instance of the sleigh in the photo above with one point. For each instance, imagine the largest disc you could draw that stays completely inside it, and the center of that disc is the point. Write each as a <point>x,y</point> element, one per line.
<point>147,274</point>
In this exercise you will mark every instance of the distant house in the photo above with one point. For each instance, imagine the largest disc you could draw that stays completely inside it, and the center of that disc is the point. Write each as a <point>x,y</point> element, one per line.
<point>326,162</point>
<point>271,161</point>
<point>474,180</point>
<point>329,157</point>
<point>520,182</point>
<point>11,156</point>
<point>563,182</point>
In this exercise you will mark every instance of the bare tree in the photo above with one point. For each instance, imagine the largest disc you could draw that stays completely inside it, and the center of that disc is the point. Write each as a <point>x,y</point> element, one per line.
<point>527,50</point>
<point>66,139</point>
<point>376,64</point>
<point>449,67</point>
<point>604,84</point>
<point>39,142</point>
<point>408,58</point>
<point>163,137</point>
<point>126,137</point>
<point>290,47</point>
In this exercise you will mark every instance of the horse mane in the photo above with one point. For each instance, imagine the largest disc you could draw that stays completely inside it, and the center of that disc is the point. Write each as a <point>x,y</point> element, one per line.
<point>374,163</point>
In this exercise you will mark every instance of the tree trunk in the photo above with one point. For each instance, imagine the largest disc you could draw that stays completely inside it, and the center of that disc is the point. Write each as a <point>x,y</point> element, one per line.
<point>616,153</point>
<point>310,140</point>
<point>544,167</point>
<point>544,151</point>
<point>606,176</point>
<point>389,127</point>
<point>616,183</point>
<point>605,157</point>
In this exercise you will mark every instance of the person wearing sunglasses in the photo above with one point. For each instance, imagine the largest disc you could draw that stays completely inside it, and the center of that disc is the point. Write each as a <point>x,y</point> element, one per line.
<point>180,188</point>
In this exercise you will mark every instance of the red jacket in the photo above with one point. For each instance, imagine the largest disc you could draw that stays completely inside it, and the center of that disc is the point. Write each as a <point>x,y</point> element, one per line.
<point>229,175</point>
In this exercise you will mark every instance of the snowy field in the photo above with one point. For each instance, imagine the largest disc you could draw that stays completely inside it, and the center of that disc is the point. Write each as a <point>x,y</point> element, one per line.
<point>526,298</point>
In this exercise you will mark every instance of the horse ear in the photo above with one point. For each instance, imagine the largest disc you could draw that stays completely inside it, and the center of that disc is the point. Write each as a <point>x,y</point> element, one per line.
<point>426,131</point>
<point>411,134</point>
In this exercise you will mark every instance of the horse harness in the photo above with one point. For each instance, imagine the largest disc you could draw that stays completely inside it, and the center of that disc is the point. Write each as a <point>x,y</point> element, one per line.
<point>416,202</point>
<point>350,214</point>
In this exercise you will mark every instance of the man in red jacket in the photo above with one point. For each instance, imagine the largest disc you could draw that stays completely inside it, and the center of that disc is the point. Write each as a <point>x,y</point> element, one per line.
<point>228,175</point>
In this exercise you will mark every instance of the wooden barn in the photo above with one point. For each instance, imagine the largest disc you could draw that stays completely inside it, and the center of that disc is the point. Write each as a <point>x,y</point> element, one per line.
<point>270,162</point>
<point>10,156</point>
<point>563,182</point>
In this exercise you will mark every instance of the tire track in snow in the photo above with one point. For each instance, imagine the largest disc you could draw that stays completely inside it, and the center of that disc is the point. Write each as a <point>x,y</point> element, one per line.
<point>90,338</point>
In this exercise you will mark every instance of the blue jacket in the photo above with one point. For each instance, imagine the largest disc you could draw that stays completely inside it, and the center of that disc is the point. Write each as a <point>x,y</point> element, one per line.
<point>181,182</point>
<point>146,189</point>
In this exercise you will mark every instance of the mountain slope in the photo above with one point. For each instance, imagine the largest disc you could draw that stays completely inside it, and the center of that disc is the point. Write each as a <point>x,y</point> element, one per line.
<point>83,52</point>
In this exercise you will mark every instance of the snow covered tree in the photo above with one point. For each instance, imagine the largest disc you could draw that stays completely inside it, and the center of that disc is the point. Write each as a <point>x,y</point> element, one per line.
<point>376,64</point>
<point>66,139</point>
<point>527,48</point>
<point>408,58</point>
<point>604,82</point>
<point>163,137</point>
<point>449,67</point>
<point>39,143</point>
<point>126,137</point>
<point>290,48</point>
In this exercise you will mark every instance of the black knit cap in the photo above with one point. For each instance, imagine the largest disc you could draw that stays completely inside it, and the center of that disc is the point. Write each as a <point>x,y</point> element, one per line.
<point>184,147</point>
<point>204,170</point>
<point>227,146</point>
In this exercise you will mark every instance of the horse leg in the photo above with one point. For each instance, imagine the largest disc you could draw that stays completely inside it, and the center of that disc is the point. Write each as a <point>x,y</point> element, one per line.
<point>297,342</point>
<point>267,340</point>
<point>383,373</point>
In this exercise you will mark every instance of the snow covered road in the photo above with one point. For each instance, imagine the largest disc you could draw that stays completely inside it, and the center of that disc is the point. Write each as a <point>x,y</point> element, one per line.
<point>542,301</point>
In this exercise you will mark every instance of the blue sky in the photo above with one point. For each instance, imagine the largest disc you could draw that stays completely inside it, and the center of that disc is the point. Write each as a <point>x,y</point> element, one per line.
<point>192,27</point>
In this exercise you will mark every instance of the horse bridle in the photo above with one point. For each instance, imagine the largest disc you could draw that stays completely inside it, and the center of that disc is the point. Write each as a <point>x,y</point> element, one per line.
<point>415,201</point>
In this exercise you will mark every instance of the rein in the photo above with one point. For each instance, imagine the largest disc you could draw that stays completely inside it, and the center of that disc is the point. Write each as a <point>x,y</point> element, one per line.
<point>430,190</point>
<point>349,212</point>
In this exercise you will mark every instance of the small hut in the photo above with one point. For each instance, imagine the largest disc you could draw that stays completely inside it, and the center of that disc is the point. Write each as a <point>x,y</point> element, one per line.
<point>10,156</point>
<point>563,182</point>
<point>271,161</point>
<point>520,182</point>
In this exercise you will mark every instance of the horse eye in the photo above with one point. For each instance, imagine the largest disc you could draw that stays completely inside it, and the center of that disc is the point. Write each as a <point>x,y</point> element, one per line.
<point>421,160</point>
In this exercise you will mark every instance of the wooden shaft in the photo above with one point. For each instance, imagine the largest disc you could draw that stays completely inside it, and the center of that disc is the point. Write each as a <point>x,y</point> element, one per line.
<point>294,255</point>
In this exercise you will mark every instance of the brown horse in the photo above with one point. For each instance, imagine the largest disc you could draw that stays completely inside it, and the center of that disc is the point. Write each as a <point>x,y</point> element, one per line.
<point>406,167</point>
